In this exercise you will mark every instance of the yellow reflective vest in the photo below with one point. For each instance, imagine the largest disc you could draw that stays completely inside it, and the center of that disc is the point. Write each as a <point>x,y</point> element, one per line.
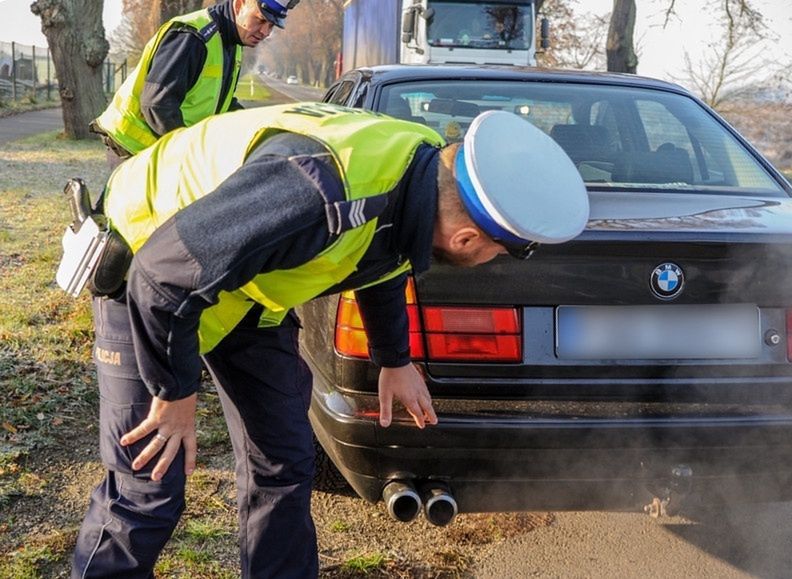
<point>123,121</point>
<point>371,153</point>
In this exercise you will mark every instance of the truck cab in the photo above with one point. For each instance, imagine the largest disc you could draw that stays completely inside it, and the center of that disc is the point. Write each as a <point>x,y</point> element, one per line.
<point>438,32</point>
<point>468,32</point>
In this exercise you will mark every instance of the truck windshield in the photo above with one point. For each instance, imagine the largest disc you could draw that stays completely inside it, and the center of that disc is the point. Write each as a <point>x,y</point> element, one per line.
<point>491,25</point>
<point>617,136</point>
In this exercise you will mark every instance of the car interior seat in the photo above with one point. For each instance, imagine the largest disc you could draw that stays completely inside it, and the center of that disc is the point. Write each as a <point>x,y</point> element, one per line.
<point>464,109</point>
<point>441,106</point>
<point>584,142</point>
<point>667,164</point>
<point>400,108</point>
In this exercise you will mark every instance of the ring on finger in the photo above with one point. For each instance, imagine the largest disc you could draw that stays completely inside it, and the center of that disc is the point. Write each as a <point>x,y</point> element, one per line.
<point>160,438</point>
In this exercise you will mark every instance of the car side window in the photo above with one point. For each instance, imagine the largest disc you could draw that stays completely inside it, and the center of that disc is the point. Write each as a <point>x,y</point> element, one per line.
<point>340,96</point>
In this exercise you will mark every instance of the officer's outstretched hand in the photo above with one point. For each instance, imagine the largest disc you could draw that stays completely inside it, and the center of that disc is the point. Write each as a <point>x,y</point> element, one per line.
<point>406,385</point>
<point>173,425</point>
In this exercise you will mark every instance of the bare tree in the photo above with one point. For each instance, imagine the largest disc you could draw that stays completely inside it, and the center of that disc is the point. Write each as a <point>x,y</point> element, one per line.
<point>575,42</point>
<point>620,48</point>
<point>142,19</point>
<point>138,25</point>
<point>170,8</point>
<point>736,67</point>
<point>742,10</point>
<point>310,44</point>
<point>76,38</point>
<point>723,70</point>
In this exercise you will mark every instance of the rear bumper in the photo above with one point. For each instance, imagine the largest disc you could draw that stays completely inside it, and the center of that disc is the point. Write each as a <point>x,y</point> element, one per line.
<point>507,462</point>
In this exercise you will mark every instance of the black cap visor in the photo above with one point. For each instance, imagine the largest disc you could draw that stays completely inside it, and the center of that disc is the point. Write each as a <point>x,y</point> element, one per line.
<point>519,251</point>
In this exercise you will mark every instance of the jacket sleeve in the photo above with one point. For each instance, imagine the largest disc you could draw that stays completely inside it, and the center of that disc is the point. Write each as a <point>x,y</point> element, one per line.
<point>174,70</point>
<point>384,312</point>
<point>267,215</point>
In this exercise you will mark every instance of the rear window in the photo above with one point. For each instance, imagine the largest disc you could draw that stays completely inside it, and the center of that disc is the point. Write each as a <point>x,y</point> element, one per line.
<point>618,137</point>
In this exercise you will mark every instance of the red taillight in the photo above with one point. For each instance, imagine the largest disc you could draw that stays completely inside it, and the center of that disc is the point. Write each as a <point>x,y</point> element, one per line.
<point>464,320</point>
<point>452,333</point>
<point>472,334</point>
<point>789,335</point>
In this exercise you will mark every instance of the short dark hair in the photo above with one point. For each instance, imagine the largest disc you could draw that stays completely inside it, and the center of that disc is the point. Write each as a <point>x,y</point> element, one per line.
<point>448,200</point>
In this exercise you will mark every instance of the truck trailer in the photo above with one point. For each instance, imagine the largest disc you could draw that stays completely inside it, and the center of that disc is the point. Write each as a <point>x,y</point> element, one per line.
<point>438,31</point>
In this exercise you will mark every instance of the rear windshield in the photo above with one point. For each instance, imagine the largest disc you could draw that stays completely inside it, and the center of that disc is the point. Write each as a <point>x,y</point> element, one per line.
<point>618,137</point>
<point>481,25</point>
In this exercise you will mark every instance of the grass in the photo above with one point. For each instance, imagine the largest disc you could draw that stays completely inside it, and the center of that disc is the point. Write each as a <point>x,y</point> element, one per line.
<point>365,563</point>
<point>205,529</point>
<point>35,559</point>
<point>339,526</point>
<point>251,88</point>
<point>45,337</point>
<point>16,480</point>
<point>47,380</point>
<point>25,104</point>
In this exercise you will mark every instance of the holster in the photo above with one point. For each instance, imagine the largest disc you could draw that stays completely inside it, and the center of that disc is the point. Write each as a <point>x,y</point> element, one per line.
<point>94,257</point>
<point>111,269</point>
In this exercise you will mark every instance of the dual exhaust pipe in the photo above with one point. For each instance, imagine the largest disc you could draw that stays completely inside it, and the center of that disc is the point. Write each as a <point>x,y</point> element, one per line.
<point>404,502</point>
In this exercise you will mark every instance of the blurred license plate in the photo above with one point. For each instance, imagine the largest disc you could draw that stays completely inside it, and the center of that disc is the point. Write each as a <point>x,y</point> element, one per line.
<point>657,332</point>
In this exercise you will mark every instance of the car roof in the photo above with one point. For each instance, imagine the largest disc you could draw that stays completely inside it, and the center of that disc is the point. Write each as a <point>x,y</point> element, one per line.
<point>397,72</point>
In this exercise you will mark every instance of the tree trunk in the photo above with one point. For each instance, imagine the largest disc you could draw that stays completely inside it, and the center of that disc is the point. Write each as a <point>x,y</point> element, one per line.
<point>76,39</point>
<point>171,8</point>
<point>620,48</point>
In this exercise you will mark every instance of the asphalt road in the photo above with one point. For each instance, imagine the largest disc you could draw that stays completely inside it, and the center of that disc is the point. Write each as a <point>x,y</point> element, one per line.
<point>26,124</point>
<point>295,91</point>
<point>739,542</point>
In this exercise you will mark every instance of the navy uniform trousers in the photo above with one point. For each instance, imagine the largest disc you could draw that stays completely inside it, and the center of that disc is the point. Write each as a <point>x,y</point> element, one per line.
<point>265,390</point>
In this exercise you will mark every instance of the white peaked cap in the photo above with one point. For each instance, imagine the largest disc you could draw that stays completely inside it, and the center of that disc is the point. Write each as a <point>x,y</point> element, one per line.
<point>518,184</point>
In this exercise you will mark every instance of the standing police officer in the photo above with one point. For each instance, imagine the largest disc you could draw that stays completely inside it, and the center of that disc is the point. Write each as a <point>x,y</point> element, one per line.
<point>234,222</point>
<point>187,72</point>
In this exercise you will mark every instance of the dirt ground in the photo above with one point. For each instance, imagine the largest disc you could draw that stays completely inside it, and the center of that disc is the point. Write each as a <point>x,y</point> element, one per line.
<point>356,539</point>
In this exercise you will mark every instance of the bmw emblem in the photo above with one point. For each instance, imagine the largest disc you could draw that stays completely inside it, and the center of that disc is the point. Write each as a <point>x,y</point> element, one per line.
<point>667,281</point>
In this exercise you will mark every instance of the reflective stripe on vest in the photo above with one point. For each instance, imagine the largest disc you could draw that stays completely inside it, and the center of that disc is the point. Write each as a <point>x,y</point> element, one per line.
<point>122,119</point>
<point>371,153</point>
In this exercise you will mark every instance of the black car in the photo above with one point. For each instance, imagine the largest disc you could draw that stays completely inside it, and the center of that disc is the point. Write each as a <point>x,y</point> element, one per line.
<point>644,362</point>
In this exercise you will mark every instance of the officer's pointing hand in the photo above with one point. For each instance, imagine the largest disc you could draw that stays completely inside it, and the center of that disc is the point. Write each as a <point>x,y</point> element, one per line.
<point>173,425</point>
<point>406,385</point>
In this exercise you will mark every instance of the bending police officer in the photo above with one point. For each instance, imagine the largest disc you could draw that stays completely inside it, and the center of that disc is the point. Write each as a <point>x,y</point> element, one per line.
<point>188,71</point>
<point>228,236</point>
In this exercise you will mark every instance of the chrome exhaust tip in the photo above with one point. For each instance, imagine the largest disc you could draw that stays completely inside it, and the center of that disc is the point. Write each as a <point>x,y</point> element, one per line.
<point>440,507</point>
<point>401,500</point>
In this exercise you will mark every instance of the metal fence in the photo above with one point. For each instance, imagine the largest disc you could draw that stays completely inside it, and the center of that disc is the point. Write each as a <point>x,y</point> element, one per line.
<point>28,72</point>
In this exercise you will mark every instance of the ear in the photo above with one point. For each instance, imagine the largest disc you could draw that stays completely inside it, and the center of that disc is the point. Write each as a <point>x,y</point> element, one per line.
<point>464,239</point>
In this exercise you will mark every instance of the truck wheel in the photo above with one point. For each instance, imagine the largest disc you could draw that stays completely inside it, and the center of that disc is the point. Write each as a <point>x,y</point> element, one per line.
<point>326,478</point>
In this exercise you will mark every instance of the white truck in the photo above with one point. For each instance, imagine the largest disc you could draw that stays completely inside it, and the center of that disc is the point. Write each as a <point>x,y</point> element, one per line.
<point>439,31</point>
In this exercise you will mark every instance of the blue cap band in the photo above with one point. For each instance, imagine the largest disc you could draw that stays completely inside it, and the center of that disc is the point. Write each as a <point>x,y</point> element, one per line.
<point>273,7</point>
<point>474,207</point>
